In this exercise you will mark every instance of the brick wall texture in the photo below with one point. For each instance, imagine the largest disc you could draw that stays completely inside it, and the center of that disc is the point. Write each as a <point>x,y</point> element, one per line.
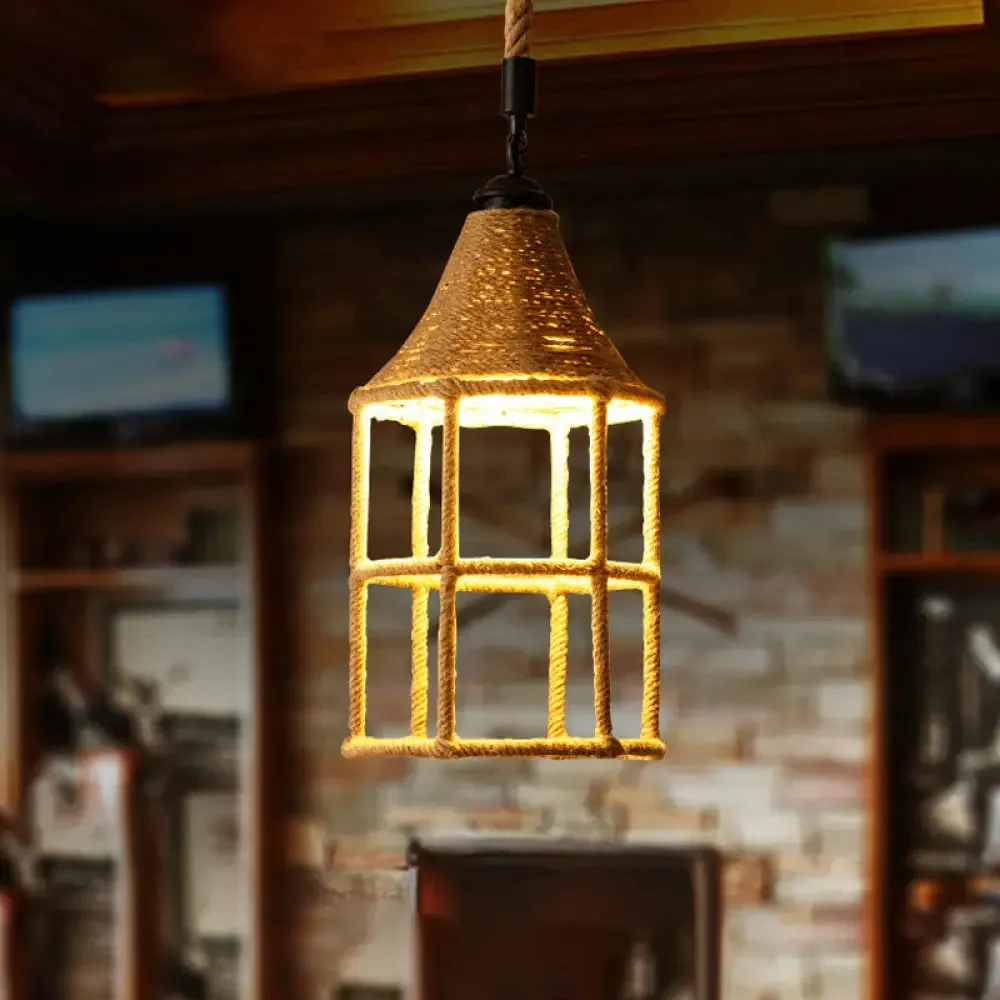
<point>766,712</point>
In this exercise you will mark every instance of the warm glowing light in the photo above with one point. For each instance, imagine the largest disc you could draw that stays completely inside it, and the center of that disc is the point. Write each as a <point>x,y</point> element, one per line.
<point>542,411</point>
<point>504,346</point>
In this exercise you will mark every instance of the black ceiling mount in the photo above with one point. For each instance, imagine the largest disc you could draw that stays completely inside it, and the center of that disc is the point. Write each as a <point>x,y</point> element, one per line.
<point>511,191</point>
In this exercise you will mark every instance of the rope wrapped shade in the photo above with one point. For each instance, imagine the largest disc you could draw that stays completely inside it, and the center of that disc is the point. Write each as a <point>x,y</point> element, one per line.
<point>507,340</point>
<point>508,329</point>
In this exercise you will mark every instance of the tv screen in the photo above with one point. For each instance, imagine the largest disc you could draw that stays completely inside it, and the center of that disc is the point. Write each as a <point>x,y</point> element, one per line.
<point>122,356</point>
<point>913,322</point>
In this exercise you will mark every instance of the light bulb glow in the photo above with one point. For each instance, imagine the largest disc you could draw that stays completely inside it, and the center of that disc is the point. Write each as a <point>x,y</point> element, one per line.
<point>536,411</point>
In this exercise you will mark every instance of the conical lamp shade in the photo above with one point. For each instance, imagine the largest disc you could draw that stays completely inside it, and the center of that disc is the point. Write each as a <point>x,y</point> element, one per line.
<point>508,309</point>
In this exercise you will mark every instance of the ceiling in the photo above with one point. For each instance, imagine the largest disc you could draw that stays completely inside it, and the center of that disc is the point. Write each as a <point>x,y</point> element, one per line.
<point>240,46</point>
<point>166,101</point>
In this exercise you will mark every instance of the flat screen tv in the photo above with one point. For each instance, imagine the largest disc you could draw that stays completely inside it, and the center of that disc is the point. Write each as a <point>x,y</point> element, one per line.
<point>913,322</point>
<point>120,366</point>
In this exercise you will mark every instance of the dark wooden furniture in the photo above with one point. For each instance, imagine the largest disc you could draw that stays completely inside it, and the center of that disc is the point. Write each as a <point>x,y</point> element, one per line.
<point>89,532</point>
<point>552,920</point>
<point>935,588</point>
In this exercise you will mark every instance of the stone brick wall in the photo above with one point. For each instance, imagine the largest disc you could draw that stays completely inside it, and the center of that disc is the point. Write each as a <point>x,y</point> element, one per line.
<point>718,306</point>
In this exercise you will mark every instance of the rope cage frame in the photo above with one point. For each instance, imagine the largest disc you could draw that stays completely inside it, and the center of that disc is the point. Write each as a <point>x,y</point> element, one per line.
<point>556,407</point>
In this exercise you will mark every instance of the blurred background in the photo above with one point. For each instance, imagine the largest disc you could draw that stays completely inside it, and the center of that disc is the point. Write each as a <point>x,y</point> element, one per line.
<point>264,195</point>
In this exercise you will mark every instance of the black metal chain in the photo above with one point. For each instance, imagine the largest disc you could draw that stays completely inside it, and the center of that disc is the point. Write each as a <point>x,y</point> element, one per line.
<point>517,146</point>
<point>518,107</point>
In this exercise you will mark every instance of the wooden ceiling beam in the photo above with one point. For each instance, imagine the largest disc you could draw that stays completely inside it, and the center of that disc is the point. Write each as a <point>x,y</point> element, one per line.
<point>259,46</point>
<point>53,55</point>
<point>804,97</point>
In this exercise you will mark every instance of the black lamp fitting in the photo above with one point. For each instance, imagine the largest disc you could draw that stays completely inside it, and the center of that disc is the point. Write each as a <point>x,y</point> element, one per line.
<point>518,83</point>
<point>514,190</point>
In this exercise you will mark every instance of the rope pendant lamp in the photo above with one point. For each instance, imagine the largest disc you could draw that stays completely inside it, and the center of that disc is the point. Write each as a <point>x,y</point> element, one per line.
<point>507,340</point>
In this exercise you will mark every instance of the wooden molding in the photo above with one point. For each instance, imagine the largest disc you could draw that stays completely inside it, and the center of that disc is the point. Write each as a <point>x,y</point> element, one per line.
<point>258,46</point>
<point>354,15</point>
<point>741,100</point>
<point>944,433</point>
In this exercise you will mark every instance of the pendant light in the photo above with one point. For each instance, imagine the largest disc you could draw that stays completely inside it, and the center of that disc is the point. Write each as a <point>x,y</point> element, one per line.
<point>507,340</point>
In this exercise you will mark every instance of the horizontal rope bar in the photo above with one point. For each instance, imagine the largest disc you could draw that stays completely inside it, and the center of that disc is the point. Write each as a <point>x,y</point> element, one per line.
<point>527,576</point>
<point>569,746</point>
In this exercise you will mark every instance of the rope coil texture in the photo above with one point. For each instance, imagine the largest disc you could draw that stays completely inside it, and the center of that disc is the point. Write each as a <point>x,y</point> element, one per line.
<point>509,332</point>
<point>517,28</point>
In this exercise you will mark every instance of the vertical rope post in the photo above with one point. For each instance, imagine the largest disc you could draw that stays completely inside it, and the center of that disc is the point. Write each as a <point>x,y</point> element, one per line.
<point>358,600</point>
<point>558,601</point>
<point>447,622</point>
<point>651,592</point>
<point>599,562</point>
<point>420,509</point>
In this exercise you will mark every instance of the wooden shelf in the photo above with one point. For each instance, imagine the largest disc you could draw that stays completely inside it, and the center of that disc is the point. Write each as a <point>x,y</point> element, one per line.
<point>940,562</point>
<point>135,578</point>
<point>123,463</point>
<point>941,433</point>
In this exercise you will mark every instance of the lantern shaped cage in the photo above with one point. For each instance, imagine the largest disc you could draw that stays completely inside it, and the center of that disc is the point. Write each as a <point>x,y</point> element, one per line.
<point>508,340</point>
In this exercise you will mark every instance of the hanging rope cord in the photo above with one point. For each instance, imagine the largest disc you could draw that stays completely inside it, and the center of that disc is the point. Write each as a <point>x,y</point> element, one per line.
<point>517,29</point>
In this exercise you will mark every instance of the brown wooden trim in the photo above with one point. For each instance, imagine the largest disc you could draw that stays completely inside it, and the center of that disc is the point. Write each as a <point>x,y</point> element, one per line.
<point>560,18</point>
<point>893,563</point>
<point>246,46</point>
<point>740,100</point>
<point>945,432</point>
<point>170,460</point>
<point>143,578</point>
<point>877,794</point>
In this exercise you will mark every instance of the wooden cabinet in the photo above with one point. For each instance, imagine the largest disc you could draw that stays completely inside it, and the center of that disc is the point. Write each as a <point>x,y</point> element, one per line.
<point>935,926</point>
<point>564,921</point>
<point>138,694</point>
